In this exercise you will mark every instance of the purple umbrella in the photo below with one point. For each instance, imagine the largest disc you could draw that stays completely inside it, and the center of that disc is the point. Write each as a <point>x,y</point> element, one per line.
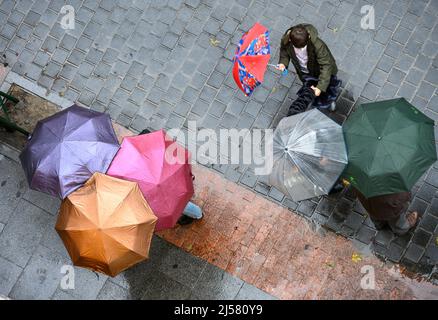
<point>67,148</point>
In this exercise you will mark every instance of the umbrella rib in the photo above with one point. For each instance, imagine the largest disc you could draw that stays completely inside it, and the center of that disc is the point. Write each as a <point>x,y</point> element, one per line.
<point>117,207</point>
<point>77,157</point>
<point>78,211</point>
<point>48,128</point>
<point>284,174</point>
<point>78,127</point>
<point>116,240</point>
<point>308,169</point>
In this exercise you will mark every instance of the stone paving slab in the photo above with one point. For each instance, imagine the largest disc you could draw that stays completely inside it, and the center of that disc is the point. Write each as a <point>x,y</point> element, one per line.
<point>159,64</point>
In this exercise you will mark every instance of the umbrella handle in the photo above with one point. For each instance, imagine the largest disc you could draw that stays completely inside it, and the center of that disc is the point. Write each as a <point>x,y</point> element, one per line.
<point>283,73</point>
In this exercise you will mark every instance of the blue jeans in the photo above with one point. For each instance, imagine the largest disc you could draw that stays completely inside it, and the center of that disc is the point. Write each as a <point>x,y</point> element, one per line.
<point>193,211</point>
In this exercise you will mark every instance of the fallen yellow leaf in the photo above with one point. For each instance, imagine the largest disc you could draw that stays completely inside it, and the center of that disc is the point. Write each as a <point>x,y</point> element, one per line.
<point>214,42</point>
<point>274,89</point>
<point>356,257</point>
<point>436,241</point>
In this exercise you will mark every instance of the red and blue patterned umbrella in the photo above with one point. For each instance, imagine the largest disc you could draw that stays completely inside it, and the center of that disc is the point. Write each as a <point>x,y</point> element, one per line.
<point>251,58</point>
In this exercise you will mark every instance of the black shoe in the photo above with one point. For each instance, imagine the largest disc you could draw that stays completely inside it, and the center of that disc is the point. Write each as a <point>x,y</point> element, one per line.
<point>145,131</point>
<point>336,188</point>
<point>184,220</point>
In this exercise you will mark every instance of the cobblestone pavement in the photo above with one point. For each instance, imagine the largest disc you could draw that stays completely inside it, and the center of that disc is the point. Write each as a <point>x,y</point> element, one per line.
<point>162,63</point>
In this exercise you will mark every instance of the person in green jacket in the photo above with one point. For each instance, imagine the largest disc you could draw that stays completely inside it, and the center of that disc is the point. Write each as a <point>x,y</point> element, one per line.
<point>313,62</point>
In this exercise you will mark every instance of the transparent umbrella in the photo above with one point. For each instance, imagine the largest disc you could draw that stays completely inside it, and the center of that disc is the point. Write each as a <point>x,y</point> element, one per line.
<point>309,155</point>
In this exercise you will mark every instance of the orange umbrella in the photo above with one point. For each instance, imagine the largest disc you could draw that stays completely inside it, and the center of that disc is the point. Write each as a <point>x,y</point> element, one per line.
<point>106,225</point>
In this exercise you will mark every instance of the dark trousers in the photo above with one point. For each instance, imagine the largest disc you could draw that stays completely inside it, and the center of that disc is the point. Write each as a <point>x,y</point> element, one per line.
<point>306,96</point>
<point>330,95</point>
<point>399,225</point>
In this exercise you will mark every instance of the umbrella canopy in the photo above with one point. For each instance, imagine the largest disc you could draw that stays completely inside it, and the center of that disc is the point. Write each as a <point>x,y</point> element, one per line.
<point>67,148</point>
<point>166,182</point>
<point>106,225</point>
<point>251,58</point>
<point>309,155</point>
<point>390,146</point>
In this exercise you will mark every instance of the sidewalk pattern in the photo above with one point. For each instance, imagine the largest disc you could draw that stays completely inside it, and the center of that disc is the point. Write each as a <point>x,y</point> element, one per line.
<point>162,63</point>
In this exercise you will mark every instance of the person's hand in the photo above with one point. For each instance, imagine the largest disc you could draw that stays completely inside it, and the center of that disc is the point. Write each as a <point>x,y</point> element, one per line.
<point>316,90</point>
<point>280,67</point>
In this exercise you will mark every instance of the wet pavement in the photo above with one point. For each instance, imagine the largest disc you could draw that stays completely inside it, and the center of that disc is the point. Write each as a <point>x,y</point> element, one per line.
<point>161,63</point>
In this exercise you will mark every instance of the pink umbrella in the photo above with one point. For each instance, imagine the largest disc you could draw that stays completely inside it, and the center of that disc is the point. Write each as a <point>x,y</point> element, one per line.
<point>161,168</point>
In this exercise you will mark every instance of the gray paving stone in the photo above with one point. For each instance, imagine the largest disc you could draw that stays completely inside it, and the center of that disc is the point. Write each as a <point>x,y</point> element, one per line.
<point>181,267</point>
<point>46,202</point>
<point>88,284</point>
<point>396,76</point>
<point>419,102</point>
<point>112,291</point>
<point>139,123</point>
<point>414,76</point>
<point>124,120</point>
<point>41,59</point>
<point>425,90</point>
<point>421,237</point>
<point>24,230</point>
<point>432,76</point>
<point>41,30</point>
<point>407,91</point>
<point>41,276</point>
<point>162,287</point>
<point>433,103</point>
<point>9,275</point>
<point>129,83</point>
<point>422,62</point>
<point>216,284</point>
<point>138,96</point>
<point>225,94</point>
<point>414,253</point>
<point>94,56</point>
<point>235,107</point>
<point>45,81</point>
<point>32,18</point>
<point>404,62</point>
<point>412,47</point>
<point>130,109</point>
<point>216,79</point>
<point>68,71</point>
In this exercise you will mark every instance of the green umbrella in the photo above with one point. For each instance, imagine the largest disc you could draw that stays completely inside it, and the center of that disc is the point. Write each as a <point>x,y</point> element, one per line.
<point>390,145</point>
